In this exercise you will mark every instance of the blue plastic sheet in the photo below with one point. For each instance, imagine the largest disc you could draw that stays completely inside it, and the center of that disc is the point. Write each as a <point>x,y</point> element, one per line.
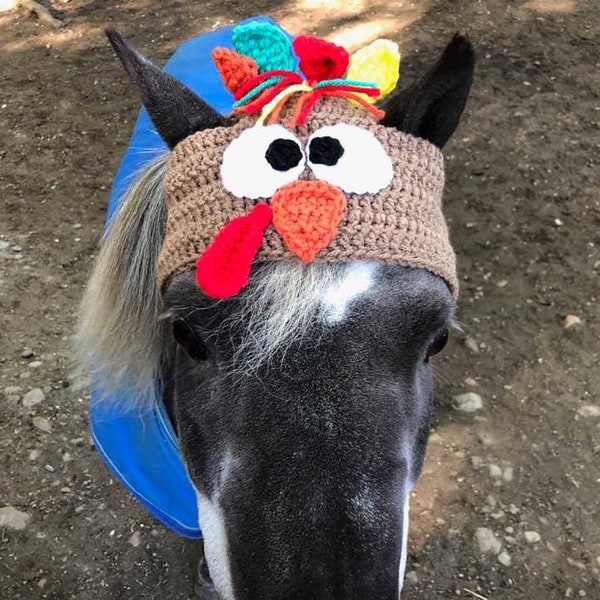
<point>141,447</point>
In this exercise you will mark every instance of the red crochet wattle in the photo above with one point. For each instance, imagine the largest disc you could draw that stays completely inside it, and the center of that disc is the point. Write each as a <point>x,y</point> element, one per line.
<point>319,59</point>
<point>224,267</point>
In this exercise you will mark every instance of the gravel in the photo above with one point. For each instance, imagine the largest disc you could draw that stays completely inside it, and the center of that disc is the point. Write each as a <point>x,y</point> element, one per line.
<point>495,471</point>
<point>42,424</point>
<point>487,542</point>
<point>472,345</point>
<point>12,518</point>
<point>504,558</point>
<point>572,321</point>
<point>12,390</point>
<point>589,411</point>
<point>468,402</point>
<point>33,397</point>
<point>532,537</point>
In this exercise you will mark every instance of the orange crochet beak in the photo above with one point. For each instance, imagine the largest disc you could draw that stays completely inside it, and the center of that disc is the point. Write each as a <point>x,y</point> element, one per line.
<point>307,215</point>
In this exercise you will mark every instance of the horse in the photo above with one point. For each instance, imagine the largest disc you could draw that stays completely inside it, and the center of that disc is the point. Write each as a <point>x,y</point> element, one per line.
<point>301,399</point>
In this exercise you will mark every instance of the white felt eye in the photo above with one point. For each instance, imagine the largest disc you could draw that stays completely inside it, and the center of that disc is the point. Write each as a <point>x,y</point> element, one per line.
<point>350,158</point>
<point>260,161</point>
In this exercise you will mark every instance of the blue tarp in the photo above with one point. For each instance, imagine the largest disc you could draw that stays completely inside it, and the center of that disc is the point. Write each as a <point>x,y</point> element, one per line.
<point>141,447</point>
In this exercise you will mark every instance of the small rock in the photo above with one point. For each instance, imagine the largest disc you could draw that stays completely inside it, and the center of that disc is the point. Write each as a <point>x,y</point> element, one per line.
<point>513,509</point>
<point>491,501</point>
<point>136,539</point>
<point>4,245</point>
<point>598,560</point>
<point>27,353</point>
<point>67,457</point>
<point>42,424</point>
<point>504,558</point>
<point>495,471</point>
<point>35,364</point>
<point>34,454</point>
<point>509,474</point>
<point>477,462</point>
<point>576,563</point>
<point>589,410</point>
<point>33,397</point>
<point>49,468</point>
<point>572,321</point>
<point>532,537</point>
<point>42,582</point>
<point>77,441</point>
<point>468,402</point>
<point>486,438</point>
<point>14,519</point>
<point>412,577</point>
<point>471,344</point>
<point>12,390</point>
<point>487,542</point>
<point>502,283</point>
<point>25,375</point>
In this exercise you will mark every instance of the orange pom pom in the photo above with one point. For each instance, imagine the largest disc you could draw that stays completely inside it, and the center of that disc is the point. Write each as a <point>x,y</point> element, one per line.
<point>234,68</point>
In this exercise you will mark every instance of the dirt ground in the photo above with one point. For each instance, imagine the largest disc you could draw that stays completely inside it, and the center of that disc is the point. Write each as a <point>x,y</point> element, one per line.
<point>523,203</point>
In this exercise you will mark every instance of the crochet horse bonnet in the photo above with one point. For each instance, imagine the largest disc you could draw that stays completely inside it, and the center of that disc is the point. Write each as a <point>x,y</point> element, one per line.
<point>304,169</point>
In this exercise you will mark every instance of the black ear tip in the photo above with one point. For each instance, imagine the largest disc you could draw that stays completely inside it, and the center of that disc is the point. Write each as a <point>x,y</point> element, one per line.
<point>114,37</point>
<point>460,47</point>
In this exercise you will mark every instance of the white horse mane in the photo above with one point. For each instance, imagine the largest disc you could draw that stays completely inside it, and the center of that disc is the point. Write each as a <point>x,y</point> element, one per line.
<point>123,338</point>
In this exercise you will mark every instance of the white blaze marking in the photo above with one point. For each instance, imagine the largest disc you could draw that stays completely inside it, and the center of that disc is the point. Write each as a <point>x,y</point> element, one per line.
<point>216,549</point>
<point>404,554</point>
<point>356,280</point>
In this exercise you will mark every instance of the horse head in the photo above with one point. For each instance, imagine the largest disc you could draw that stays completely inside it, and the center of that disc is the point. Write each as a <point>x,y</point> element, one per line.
<point>287,275</point>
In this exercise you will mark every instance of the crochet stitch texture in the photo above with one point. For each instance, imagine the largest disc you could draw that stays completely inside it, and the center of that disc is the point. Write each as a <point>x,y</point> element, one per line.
<point>401,224</point>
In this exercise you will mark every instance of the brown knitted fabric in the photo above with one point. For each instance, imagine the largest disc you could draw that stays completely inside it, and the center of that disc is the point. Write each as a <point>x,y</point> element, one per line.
<point>401,224</point>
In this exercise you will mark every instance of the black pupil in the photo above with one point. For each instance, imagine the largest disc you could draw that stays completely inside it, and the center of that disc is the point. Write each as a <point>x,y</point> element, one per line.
<point>283,155</point>
<point>325,151</point>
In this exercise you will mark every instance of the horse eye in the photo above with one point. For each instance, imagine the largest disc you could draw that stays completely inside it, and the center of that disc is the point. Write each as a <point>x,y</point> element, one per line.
<point>438,344</point>
<point>187,338</point>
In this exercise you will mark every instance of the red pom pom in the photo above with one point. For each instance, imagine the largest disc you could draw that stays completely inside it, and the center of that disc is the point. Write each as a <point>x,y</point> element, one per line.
<point>224,267</point>
<point>319,59</point>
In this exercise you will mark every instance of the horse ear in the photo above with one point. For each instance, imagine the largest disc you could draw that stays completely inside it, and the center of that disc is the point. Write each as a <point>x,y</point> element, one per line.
<point>175,110</point>
<point>432,107</point>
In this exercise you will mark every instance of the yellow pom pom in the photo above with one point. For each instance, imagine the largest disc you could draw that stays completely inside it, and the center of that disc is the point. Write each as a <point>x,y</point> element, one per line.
<point>378,62</point>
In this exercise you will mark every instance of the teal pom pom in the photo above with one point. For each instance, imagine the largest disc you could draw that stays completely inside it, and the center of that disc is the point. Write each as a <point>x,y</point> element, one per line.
<point>268,45</point>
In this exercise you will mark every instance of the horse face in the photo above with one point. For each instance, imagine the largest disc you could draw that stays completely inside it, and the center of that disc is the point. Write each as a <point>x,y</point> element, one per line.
<point>303,464</point>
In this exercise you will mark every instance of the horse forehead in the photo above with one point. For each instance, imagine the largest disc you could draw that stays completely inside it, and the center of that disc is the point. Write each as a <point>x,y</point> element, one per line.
<point>356,280</point>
